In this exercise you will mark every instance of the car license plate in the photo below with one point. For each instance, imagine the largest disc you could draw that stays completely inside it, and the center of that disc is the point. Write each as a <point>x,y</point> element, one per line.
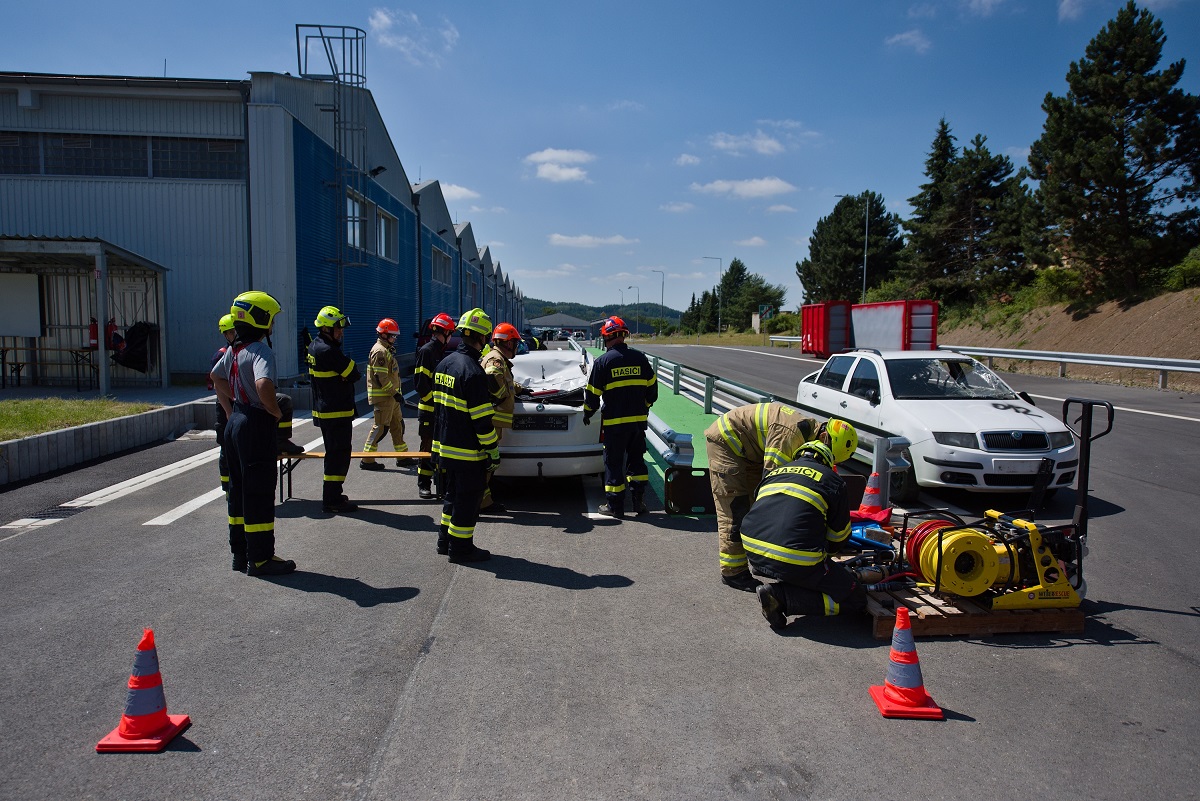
<point>1017,466</point>
<point>540,422</point>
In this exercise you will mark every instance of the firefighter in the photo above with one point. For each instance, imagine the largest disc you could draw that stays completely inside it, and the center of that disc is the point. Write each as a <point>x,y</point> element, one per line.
<point>801,514</point>
<point>244,379</point>
<point>284,436</point>
<point>497,365</point>
<point>429,356</point>
<point>333,375</point>
<point>532,342</point>
<point>742,445</point>
<point>383,393</point>
<point>464,439</point>
<point>626,382</point>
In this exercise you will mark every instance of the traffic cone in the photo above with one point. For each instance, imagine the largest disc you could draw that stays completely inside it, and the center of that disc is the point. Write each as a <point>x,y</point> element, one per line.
<point>903,692</point>
<point>870,509</point>
<point>145,725</point>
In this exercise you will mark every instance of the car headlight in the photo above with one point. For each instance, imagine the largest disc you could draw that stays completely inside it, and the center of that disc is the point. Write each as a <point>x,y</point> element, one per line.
<point>1061,439</point>
<point>955,440</point>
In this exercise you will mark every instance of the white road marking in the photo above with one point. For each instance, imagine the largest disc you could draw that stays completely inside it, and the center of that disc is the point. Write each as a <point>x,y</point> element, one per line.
<point>27,524</point>
<point>187,508</point>
<point>1127,409</point>
<point>136,483</point>
<point>746,350</point>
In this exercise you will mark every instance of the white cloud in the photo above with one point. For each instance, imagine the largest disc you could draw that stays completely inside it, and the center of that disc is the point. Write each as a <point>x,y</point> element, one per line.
<point>754,187</point>
<point>780,208</point>
<point>922,11</point>
<point>914,39</point>
<point>752,242</point>
<point>1069,9</point>
<point>676,207</point>
<point>474,209</point>
<point>563,270</point>
<point>626,105</point>
<point>588,241</point>
<point>403,31</point>
<point>552,164</point>
<point>737,144</point>
<point>687,160</point>
<point>456,192</point>
<point>983,8</point>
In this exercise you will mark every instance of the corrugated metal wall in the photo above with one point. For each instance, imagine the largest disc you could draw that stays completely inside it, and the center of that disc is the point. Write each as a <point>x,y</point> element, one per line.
<point>219,117</point>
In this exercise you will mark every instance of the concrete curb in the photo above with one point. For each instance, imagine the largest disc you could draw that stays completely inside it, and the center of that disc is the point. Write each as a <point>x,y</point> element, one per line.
<point>22,459</point>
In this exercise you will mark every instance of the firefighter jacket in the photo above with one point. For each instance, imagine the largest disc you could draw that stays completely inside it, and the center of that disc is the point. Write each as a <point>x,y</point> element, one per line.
<point>463,429</point>
<point>624,378</point>
<point>383,373</point>
<point>333,375</point>
<point>800,510</point>
<point>767,434</point>
<point>429,356</point>
<point>501,385</point>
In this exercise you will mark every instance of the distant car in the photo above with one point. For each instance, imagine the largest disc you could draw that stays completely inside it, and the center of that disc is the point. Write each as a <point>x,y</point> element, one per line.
<point>969,429</point>
<point>548,437</point>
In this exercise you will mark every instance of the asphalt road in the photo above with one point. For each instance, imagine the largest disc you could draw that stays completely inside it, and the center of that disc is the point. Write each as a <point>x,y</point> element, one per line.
<point>589,659</point>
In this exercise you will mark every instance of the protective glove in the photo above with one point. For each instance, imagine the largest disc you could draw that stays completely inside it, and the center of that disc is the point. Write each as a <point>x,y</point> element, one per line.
<point>398,398</point>
<point>493,458</point>
<point>806,428</point>
<point>587,418</point>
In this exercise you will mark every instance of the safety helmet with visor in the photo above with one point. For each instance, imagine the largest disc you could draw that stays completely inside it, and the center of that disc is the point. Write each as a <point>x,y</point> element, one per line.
<point>331,317</point>
<point>476,321</point>
<point>255,308</point>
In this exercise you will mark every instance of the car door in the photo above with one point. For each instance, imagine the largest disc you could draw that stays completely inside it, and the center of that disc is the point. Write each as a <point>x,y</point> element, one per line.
<point>860,403</point>
<point>825,393</point>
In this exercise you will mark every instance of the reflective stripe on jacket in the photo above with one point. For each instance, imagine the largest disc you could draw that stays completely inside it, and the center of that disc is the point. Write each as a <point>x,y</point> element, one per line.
<point>383,373</point>
<point>333,375</point>
<point>624,378</point>
<point>463,427</point>
<point>429,356</point>
<point>761,433</point>
<point>498,369</point>
<point>800,508</point>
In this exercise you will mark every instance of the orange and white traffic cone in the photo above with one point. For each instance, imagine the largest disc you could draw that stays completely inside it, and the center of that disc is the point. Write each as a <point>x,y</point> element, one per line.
<point>145,725</point>
<point>903,692</point>
<point>870,509</point>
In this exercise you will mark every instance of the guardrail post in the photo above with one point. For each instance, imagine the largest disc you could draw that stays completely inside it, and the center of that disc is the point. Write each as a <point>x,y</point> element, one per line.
<point>1062,369</point>
<point>675,379</point>
<point>889,456</point>
<point>1162,379</point>
<point>709,384</point>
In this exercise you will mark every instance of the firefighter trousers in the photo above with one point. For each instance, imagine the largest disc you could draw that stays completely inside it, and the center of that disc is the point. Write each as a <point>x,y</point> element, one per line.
<point>733,482</point>
<point>425,466</point>
<point>624,464</point>
<point>285,433</point>
<point>463,487</point>
<point>389,417</point>
<point>250,451</point>
<point>824,589</point>
<point>337,433</point>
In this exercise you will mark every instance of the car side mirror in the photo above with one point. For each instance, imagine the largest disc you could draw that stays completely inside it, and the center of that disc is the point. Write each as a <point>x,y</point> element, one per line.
<point>1025,397</point>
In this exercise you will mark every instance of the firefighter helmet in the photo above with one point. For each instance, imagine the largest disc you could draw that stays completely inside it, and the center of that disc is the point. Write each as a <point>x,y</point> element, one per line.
<point>225,323</point>
<point>505,332</point>
<point>819,450</point>
<point>444,322</point>
<point>331,317</point>
<point>254,308</point>
<point>843,439</point>
<point>387,326</point>
<point>477,321</point>
<point>612,327</point>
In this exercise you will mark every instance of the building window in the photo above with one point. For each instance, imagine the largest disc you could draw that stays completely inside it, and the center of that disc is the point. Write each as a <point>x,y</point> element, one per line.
<point>441,267</point>
<point>20,153</point>
<point>356,220</point>
<point>387,230</point>
<point>70,154</point>
<point>221,159</point>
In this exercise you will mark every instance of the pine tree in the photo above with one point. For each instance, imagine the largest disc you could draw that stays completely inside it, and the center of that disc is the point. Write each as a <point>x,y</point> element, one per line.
<point>929,253</point>
<point>1119,158</point>
<point>834,267</point>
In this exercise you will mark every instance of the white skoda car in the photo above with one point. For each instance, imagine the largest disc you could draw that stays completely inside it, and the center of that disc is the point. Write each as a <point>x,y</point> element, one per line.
<point>969,430</point>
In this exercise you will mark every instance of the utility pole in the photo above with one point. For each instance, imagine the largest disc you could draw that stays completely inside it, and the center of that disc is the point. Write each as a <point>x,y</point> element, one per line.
<point>721,266</point>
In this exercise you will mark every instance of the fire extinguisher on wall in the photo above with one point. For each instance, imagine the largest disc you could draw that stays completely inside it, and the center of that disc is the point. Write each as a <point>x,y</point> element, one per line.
<point>93,334</point>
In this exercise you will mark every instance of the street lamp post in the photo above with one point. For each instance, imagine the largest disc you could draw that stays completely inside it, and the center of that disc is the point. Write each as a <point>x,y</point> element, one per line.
<point>866,237</point>
<point>638,311</point>
<point>721,266</point>
<point>662,307</point>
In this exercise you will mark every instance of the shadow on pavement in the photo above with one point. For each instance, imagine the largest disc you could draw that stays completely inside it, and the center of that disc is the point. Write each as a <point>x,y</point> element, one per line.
<point>514,568</point>
<point>851,631</point>
<point>349,588</point>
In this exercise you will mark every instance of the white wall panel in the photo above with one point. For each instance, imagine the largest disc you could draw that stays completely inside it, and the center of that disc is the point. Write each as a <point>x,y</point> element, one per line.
<point>210,118</point>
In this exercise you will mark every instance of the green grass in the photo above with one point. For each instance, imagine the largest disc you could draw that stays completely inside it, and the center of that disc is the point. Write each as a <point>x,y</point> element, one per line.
<point>24,418</point>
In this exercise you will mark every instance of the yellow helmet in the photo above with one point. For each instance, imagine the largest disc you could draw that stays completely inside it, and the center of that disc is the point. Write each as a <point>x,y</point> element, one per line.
<point>476,320</point>
<point>818,449</point>
<point>254,308</point>
<point>225,323</point>
<point>331,317</point>
<point>843,439</point>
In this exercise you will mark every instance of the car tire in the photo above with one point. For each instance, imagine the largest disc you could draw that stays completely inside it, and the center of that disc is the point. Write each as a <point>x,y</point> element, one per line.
<point>902,486</point>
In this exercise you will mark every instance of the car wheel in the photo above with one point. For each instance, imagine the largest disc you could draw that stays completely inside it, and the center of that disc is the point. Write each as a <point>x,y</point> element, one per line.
<point>902,486</point>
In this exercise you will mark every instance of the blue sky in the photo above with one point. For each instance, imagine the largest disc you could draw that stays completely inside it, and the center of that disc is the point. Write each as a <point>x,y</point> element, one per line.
<point>590,144</point>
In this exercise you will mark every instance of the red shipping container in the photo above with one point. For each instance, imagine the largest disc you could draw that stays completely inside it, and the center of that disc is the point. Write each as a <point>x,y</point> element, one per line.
<point>895,325</point>
<point>825,327</point>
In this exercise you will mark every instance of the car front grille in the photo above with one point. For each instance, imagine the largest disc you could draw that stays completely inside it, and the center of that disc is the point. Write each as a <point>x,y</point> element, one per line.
<point>1015,441</point>
<point>540,422</point>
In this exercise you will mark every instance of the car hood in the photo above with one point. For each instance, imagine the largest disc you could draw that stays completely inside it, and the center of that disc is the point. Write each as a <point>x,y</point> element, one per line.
<point>978,415</point>
<point>550,370</point>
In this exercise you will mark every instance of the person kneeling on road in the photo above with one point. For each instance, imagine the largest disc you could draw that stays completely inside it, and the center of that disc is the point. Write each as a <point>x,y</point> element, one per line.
<point>801,514</point>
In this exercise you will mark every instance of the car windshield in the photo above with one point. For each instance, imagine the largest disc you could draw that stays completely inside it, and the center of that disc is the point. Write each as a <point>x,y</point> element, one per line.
<point>945,379</point>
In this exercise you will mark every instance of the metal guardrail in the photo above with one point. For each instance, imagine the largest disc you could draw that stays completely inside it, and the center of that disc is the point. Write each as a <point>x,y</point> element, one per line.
<point>673,447</point>
<point>1162,366</point>
<point>786,340</point>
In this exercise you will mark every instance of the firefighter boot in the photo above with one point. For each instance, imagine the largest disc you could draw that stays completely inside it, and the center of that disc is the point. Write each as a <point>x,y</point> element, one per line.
<point>465,550</point>
<point>639,503</point>
<point>615,507</point>
<point>443,540</point>
<point>425,491</point>
<point>275,566</point>
<point>773,609</point>
<point>742,581</point>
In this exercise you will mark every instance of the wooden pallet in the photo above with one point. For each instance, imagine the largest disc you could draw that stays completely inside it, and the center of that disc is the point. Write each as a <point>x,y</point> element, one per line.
<point>934,615</point>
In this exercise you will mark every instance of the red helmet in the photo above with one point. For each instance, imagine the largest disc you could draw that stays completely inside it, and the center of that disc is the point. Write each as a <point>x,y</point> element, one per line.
<point>612,327</point>
<point>387,326</point>
<point>444,322</point>
<point>505,331</point>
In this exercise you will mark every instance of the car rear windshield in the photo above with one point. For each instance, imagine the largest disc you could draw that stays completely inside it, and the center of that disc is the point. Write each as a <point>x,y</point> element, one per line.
<point>945,379</point>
